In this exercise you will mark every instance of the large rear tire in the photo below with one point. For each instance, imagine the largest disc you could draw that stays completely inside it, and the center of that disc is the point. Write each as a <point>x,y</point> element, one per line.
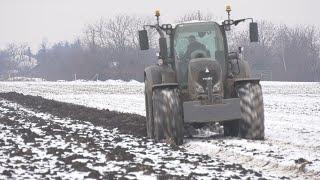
<point>251,125</point>
<point>149,113</point>
<point>167,114</point>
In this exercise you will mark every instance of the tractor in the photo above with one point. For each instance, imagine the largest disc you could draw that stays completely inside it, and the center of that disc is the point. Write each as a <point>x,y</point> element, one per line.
<point>197,80</point>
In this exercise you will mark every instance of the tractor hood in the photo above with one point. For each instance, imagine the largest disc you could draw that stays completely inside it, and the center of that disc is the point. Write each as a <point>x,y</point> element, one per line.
<point>200,71</point>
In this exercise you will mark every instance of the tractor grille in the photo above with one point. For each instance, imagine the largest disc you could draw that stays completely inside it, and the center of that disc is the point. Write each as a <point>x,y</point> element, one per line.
<point>201,69</point>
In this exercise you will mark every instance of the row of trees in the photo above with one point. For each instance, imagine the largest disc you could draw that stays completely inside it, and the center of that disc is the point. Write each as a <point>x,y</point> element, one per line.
<point>67,60</point>
<point>288,53</point>
<point>109,48</point>
<point>16,58</point>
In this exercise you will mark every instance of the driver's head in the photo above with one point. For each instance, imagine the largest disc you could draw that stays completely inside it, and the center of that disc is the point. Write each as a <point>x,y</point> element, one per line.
<point>191,38</point>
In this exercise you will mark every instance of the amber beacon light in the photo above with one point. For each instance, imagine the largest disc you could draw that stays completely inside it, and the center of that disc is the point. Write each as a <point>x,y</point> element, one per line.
<point>228,8</point>
<point>157,13</point>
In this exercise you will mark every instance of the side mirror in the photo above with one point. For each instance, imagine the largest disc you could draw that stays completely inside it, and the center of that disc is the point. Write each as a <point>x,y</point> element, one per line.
<point>143,40</point>
<point>163,48</point>
<point>254,34</point>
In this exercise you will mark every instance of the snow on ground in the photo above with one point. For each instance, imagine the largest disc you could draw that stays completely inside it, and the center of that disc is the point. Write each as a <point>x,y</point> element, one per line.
<point>112,94</point>
<point>37,145</point>
<point>292,120</point>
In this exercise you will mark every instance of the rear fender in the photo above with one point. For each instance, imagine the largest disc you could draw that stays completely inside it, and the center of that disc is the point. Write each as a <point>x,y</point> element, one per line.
<point>246,80</point>
<point>232,84</point>
<point>159,76</point>
<point>165,85</point>
<point>243,76</point>
<point>242,67</point>
<point>240,82</point>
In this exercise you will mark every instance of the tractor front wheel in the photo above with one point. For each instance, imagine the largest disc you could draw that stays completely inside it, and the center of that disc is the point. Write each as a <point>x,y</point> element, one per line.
<point>251,125</point>
<point>167,115</point>
<point>149,114</point>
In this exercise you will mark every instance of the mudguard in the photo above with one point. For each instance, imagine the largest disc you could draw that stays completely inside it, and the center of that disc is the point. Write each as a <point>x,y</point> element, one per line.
<point>242,76</point>
<point>245,80</point>
<point>153,75</point>
<point>158,76</point>
<point>243,71</point>
<point>165,85</point>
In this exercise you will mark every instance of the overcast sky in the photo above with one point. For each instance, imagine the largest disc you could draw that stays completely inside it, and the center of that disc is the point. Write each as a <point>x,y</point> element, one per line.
<point>32,21</point>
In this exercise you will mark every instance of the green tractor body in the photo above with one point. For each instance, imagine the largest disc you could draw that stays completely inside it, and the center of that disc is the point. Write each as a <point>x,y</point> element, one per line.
<point>199,81</point>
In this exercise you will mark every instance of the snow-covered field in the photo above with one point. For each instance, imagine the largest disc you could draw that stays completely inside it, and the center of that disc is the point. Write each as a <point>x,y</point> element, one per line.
<point>292,119</point>
<point>113,95</point>
<point>41,146</point>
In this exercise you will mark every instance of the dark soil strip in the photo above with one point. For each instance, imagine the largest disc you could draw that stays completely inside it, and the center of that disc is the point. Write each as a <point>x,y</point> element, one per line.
<point>126,123</point>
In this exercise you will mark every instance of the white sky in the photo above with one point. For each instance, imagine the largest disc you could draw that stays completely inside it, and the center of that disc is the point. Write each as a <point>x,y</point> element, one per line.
<point>32,21</point>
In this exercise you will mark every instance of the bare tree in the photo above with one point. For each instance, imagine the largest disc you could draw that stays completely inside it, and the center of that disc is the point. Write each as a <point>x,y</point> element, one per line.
<point>196,15</point>
<point>109,47</point>
<point>290,53</point>
<point>117,33</point>
<point>90,36</point>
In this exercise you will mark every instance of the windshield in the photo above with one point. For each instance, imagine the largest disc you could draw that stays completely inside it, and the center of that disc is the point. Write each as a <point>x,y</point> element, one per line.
<point>196,40</point>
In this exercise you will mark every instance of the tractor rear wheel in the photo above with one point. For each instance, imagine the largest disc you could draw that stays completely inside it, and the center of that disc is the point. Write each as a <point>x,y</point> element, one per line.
<point>251,125</point>
<point>167,114</point>
<point>149,114</point>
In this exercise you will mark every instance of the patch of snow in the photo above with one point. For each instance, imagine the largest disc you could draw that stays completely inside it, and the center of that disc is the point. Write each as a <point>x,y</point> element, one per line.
<point>292,120</point>
<point>52,164</point>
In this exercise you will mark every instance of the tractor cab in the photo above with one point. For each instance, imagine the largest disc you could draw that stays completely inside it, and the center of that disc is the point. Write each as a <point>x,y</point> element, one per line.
<point>197,40</point>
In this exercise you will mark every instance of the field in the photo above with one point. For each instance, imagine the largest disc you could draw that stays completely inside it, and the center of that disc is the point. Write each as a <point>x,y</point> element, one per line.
<point>291,148</point>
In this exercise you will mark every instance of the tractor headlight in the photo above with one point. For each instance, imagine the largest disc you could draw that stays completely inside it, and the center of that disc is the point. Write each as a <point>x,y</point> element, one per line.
<point>217,87</point>
<point>199,89</point>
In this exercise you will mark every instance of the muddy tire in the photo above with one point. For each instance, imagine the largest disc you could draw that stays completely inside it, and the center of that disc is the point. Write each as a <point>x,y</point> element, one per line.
<point>231,128</point>
<point>251,126</point>
<point>167,114</point>
<point>149,113</point>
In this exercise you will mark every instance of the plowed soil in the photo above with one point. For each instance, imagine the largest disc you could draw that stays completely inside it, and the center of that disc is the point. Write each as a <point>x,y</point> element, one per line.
<point>42,138</point>
<point>125,122</point>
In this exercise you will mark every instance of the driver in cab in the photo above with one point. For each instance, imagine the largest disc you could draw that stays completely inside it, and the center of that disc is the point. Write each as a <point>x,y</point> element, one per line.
<point>194,46</point>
